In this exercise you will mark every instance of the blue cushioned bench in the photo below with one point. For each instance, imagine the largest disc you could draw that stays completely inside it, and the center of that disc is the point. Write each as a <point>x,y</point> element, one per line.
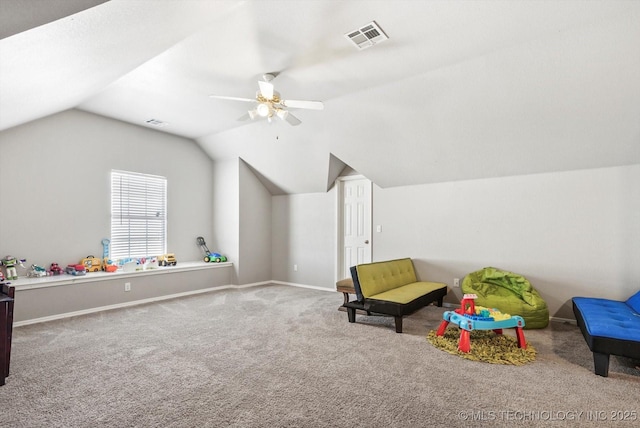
<point>610,327</point>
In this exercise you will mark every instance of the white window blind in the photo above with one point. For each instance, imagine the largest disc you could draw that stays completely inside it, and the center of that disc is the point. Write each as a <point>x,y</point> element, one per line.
<point>138,215</point>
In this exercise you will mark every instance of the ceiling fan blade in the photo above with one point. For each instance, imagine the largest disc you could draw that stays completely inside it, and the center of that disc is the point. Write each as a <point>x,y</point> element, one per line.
<point>222,97</point>
<point>266,89</point>
<point>293,121</point>
<point>244,117</point>
<point>311,105</point>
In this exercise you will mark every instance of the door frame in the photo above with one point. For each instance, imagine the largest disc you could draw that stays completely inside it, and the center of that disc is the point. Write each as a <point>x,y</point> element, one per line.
<point>340,221</point>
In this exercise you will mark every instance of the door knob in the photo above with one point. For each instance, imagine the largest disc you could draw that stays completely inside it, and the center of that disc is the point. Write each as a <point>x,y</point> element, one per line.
<point>366,242</point>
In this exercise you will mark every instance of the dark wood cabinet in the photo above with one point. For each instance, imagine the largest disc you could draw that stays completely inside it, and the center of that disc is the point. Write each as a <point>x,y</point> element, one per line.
<point>7,295</point>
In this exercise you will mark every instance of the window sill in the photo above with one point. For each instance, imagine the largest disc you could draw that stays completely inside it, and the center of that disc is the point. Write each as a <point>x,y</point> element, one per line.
<point>25,283</point>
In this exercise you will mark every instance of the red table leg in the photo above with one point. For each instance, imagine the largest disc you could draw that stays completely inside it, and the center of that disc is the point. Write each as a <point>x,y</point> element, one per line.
<point>442,328</point>
<point>520,335</point>
<point>465,341</point>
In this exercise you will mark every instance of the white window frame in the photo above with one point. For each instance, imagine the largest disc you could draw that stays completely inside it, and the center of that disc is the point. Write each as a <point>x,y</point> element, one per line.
<point>138,215</point>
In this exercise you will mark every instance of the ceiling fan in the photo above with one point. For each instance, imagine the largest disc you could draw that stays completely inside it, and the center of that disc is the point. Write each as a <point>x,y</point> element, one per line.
<point>270,105</point>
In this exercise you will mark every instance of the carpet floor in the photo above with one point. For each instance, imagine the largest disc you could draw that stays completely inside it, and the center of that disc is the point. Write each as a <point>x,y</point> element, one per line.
<point>279,356</point>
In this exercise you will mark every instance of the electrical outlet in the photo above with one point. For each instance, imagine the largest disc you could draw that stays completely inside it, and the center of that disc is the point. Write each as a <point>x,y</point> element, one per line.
<point>127,286</point>
<point>295,268</point>
<point>456,282</point>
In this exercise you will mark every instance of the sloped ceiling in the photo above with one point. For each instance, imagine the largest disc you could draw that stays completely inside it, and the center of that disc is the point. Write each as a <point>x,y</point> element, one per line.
<point>461,90</point>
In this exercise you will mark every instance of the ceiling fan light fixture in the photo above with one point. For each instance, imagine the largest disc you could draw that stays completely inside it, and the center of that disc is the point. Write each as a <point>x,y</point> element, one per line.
<point>263,110</point>
<point>282,114</point>
<point>268,103</point>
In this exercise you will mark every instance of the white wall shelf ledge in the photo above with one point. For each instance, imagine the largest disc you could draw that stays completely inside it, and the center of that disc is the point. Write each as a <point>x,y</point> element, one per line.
<point>54,297</point>
<point>25,283</point>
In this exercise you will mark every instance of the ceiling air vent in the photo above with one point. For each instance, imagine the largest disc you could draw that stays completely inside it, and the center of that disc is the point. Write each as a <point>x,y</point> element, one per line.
<point>367,36</point>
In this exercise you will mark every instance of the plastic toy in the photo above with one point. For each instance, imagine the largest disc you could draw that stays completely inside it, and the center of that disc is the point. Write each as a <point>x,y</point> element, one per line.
<point>167,260</point>
<point>55,269</point>
<point>468,319</point>
<point>152,263</point>
<point>141,264</point>
<point>209,256</point>
<point>130,266</point>
<point>91,264</point>
<point>76,270</point>
<point>37,272</point>
<point>10,263</point>
<point>109,265</point>
<point>105,248</point>
<point>2,279</point>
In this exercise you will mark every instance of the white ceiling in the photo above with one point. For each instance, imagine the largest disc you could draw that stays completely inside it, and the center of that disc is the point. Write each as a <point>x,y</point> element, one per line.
<point>461,89</point>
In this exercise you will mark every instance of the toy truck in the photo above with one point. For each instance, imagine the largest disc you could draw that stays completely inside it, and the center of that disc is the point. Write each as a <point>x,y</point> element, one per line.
<point>167,260</point>
<point>108,265</point>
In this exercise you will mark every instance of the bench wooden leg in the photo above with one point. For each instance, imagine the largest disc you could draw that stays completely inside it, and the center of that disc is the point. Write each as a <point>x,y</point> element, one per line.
<point>346,297</point>
<point>351,312</point>
<point>398,324</point>
<point>601,363</point>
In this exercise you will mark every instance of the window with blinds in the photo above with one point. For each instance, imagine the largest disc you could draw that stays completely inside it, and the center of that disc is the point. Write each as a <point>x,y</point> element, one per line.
<point>138,215</point>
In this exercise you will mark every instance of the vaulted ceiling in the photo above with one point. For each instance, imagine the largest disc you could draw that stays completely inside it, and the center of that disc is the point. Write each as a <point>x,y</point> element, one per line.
<point>460,90</point>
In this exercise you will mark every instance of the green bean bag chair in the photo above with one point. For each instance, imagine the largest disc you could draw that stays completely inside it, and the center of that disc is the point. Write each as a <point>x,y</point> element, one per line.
<point>509,293</point>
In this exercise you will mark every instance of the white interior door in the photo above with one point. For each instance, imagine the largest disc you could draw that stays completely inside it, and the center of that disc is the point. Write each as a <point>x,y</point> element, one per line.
<point>355,218</point>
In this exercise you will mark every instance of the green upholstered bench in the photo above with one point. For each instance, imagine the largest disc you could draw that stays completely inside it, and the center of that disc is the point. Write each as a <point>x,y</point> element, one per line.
<point>391,288</point>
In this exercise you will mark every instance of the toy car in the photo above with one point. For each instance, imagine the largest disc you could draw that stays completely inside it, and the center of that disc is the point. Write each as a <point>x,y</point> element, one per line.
<point>37,272</point>
<point>76,270</point>
<point>91,264</point>
<point>167,260</point>
<point>55,269</point>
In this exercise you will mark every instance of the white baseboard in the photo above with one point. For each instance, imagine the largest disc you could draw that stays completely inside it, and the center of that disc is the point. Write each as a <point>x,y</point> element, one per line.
<point>133,303</point>
<point>568,320</point>
<point>313,287</point>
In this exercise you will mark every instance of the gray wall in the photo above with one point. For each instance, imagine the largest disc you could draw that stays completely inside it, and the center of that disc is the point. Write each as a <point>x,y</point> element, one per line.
<point>255,228</point>
<point>226,213</point>
<point>305,234</point>
<point>242,221</point>
<point>35,303</point>
<point>55,189</point>
<point>570,233</point>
